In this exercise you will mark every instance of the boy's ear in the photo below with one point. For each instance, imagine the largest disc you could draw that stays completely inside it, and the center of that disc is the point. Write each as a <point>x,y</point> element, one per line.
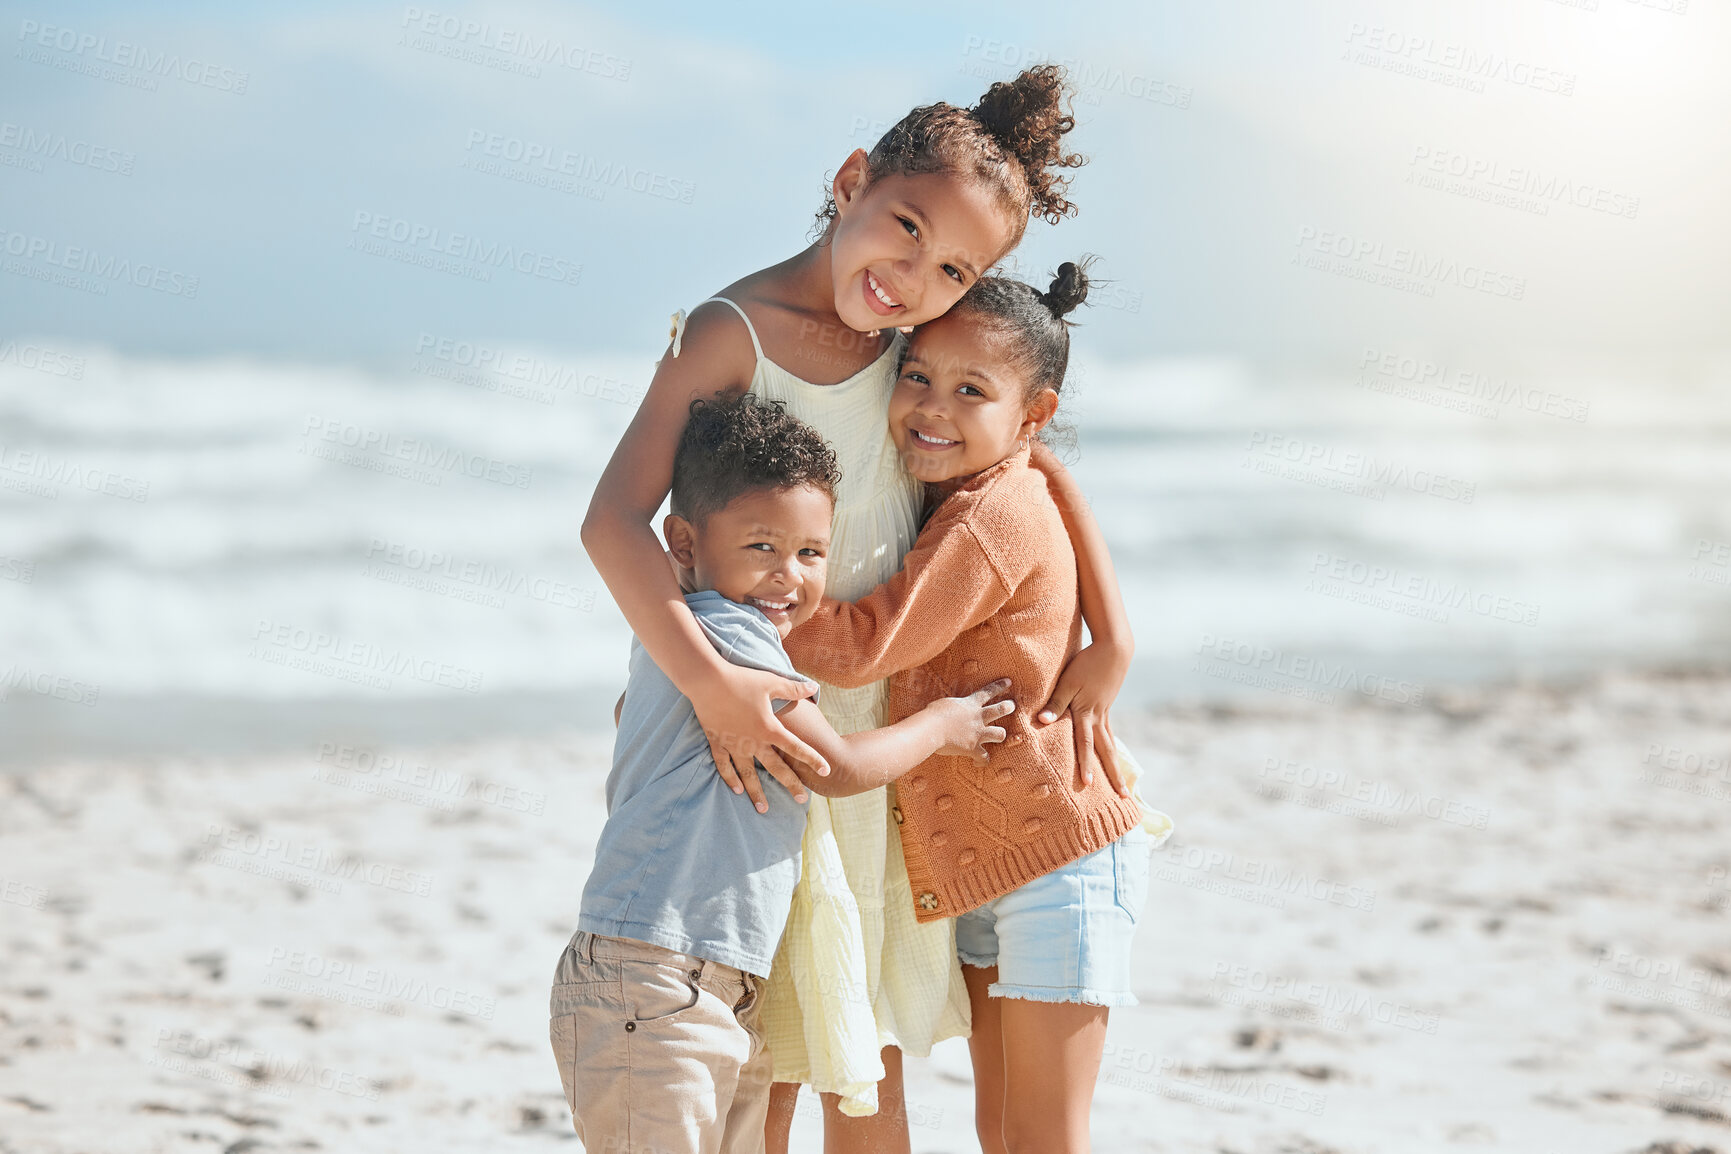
<point>850,180</point>
<point>681,539</point>
<point>1041,410</point>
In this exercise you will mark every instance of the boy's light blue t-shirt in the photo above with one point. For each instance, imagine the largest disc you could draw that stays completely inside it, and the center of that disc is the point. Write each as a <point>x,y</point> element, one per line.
<point>683,861</point>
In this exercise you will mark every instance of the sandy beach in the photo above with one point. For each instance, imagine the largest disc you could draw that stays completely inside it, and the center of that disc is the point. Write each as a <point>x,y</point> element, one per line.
<point>1499,920</point>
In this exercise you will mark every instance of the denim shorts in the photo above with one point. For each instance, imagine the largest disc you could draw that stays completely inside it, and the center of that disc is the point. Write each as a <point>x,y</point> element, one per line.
<point>1065,936</point>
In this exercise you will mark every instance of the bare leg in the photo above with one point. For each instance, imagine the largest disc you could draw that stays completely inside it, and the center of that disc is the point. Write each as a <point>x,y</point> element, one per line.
<point>885,1132</point>
<point>1035,1066</point>
<point>778,1126</point>
<point>986,1046</point>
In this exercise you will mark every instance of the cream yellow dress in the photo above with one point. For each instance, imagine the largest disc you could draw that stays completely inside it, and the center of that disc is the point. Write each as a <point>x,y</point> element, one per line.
<point>855,971</point>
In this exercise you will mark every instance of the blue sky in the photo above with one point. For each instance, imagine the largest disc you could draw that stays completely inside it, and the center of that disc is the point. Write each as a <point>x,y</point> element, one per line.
<point>1237,148</point>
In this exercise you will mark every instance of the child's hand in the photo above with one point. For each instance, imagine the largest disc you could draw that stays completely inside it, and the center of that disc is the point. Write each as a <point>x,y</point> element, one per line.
<point>969,724</point>
<point>1087,688</point>
<point>734,710</point>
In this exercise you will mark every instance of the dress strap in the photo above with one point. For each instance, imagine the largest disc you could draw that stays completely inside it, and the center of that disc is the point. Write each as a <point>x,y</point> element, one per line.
<point>756,346</point>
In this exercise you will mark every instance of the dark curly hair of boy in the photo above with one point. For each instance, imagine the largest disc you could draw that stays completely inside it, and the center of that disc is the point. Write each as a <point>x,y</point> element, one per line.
<point>733,445</point>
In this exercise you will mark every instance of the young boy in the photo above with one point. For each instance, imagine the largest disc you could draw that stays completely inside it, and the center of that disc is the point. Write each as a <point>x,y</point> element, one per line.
<point>654,1007</point>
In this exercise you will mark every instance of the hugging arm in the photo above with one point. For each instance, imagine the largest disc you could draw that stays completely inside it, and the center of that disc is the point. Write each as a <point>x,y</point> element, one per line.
<point>946,586</point>
<point>732,702</point>
<point>863,761</point>
<point>1091,681</point>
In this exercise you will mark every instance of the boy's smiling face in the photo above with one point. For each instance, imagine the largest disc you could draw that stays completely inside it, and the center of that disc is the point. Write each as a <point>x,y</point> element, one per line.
<point>768,548</point>
<point>906,247</point>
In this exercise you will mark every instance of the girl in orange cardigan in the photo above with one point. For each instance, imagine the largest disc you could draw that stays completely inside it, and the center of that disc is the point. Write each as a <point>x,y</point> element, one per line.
<point>1041,862</point>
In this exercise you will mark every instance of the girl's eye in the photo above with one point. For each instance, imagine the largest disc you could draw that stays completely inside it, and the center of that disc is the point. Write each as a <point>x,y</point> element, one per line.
<point>953,271</point>
<point>913,229</point>
<point>916,377</point>
<point>762,545</point>
<point>970,391</point>
<point>810,553</point>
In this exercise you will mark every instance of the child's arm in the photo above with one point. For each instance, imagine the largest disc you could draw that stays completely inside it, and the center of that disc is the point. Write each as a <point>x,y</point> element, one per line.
<point>946,586</point>
<point>732,702</point>
<point>862,761</point>
<point>1090,682</point>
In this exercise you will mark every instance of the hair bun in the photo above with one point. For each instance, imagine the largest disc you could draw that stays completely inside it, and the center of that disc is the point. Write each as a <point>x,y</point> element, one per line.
<point>1026,117</point>
<point>1069,288</point>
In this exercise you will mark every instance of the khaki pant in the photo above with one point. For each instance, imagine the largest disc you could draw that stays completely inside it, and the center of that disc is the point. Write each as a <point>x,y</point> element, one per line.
<point>660,1052</point>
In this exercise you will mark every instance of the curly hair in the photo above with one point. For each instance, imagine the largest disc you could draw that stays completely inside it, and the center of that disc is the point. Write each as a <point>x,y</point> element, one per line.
<point>1012,139</point>
<point>733,445</point>
<point>1034,323</point>
<point>1036,328</point>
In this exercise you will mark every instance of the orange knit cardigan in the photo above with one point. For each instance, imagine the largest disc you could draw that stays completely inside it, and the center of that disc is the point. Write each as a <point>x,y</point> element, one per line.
<point>988,591</point>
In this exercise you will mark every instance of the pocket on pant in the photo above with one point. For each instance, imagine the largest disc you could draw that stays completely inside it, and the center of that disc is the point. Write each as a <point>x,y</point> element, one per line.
<point>1130,872</point>
<point>658,993</point>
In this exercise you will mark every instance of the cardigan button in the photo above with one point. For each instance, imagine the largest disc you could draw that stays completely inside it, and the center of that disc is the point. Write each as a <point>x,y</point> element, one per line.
<point>944,801</point>
<point>928,901</point>
<point>940,838</point>
<point>896,812</point>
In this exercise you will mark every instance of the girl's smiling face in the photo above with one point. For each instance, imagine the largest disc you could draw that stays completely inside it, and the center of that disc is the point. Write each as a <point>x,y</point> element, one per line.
<point>906,247</point>
<point>961,404</point>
